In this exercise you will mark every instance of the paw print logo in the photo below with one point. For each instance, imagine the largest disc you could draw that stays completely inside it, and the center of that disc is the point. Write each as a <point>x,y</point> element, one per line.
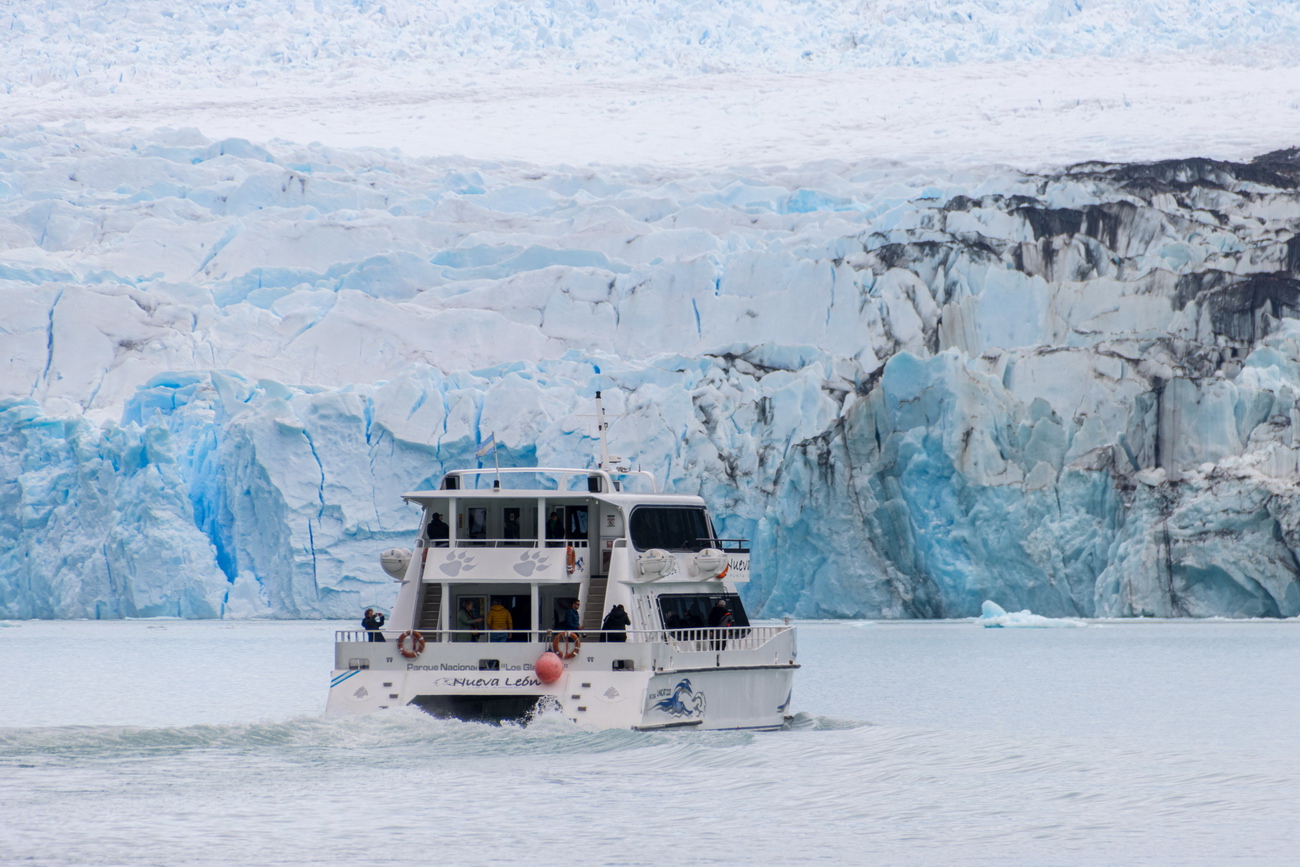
<point>457,563</point>
<point>530,562</point>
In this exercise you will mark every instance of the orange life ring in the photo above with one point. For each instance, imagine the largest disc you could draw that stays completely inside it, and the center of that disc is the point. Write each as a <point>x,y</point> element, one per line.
<point>417,644</point>
<point>571,560</point>
<point>571,641</point>
<point>723,573</point>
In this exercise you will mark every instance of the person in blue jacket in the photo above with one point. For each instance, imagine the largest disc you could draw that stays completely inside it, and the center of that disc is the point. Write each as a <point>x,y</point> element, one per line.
<point>572,621</point>
<point>372,623</point>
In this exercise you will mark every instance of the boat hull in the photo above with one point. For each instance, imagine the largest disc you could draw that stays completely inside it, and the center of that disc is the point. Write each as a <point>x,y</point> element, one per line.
<point>634,685</point>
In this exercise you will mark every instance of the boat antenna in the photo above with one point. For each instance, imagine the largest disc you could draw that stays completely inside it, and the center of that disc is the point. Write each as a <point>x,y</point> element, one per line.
<point>601,425</point>
<point>607,461</point>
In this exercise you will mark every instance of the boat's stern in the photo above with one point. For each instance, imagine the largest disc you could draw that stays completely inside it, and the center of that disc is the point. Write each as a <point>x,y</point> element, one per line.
<point>712,678</point>
<point>602,685</point>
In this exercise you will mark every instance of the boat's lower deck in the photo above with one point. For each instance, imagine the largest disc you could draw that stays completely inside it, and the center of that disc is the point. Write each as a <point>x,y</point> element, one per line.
<point>727,679</point>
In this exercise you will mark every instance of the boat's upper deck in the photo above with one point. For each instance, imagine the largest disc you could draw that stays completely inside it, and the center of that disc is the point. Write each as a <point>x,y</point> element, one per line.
<point>512,512</point>
<point>623,488</point>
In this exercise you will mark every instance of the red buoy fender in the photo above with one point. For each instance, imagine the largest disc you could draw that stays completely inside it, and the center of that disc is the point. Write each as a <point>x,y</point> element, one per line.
<point>548,667</point>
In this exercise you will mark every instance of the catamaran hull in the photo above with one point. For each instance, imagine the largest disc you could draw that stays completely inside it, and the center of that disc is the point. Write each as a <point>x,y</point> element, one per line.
<point>753,698</point>
<point>635,686</point>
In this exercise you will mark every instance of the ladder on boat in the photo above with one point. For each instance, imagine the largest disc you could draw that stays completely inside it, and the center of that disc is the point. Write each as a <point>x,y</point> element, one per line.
<point>431,607</point>
<point>594,613</point>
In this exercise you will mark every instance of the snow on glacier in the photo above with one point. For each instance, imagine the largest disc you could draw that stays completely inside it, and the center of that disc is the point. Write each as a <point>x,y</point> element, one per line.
<point>916,385</point>
<point>1032,83</point>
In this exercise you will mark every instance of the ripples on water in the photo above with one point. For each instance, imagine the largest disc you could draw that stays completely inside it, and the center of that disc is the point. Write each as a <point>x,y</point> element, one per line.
<point>981,749</point>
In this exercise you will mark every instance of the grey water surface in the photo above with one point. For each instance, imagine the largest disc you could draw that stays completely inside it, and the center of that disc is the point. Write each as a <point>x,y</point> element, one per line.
<point>173,742</point>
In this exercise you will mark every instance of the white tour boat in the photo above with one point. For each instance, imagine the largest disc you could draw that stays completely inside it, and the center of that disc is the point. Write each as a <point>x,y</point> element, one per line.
<point>484,623</point>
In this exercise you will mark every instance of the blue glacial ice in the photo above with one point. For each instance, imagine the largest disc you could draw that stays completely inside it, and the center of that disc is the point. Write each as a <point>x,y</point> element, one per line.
<point>994,616</point>
<point>1073,393</point>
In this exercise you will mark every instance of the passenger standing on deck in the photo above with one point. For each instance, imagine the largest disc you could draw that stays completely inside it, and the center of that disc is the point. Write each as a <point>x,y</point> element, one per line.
<point>498,619</point>
<point>554,529</point>
<point>439,532</point>
<point>720,617</point>
<point>372,623</point>
<point>615,625</point>
<point>466,622</point>
<point>572,620</point>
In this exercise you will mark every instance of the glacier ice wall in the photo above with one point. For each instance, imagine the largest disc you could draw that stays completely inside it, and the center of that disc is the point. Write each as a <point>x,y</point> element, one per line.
<point>223,363</point>
<point>96,522</point>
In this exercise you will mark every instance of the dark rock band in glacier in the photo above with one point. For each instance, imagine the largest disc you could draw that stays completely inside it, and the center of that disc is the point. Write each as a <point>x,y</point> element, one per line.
<point>1072,392</point>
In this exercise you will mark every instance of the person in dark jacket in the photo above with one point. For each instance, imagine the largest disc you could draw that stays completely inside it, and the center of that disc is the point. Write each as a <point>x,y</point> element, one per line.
<point>372,623</point>
<point>720,616</point>
<point>439,532</point>
<point>615,625</point>
<point>572,620</point>
<point>554,529</point>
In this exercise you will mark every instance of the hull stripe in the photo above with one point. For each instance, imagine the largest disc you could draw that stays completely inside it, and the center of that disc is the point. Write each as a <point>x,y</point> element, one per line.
<point>342,677</point>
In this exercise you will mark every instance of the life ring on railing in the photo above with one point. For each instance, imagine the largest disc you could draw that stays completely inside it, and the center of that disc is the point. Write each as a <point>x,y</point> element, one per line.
<point>723,573</point>
<point>417,644</point>
<point>570,641</point>
<point>571,560</point>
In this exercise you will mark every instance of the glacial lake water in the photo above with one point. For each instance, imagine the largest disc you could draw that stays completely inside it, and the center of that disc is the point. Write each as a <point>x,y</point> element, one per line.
<point>169,742</point>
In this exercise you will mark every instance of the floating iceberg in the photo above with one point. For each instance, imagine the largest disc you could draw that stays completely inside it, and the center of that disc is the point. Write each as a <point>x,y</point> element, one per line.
<point>992,616</point>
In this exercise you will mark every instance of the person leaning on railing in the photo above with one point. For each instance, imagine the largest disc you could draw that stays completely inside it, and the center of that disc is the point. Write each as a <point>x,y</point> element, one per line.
<point>615,626</point>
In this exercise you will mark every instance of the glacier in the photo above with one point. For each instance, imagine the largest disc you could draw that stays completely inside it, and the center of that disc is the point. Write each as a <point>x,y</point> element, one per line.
<point>1074,393</point>
<point>916,384</point>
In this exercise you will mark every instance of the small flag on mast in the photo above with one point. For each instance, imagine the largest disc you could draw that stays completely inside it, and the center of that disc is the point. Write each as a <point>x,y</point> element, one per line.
<point>487,447</point>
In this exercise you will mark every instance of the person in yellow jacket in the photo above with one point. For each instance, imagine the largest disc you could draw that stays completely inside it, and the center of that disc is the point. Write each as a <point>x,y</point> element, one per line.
<point>498,618</point>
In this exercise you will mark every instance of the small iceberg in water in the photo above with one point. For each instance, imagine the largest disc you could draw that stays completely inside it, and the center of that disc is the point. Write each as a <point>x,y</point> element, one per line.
<point>994,616</point>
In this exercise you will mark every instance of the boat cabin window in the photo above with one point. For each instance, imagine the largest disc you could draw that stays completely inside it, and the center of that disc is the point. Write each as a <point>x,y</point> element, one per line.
<point>673,528</point>
<point>489,524</point>
<point>691,610</point>
<point>566,524</point>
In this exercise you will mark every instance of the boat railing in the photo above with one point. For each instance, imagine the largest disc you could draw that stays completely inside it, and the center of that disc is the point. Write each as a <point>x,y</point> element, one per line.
<point>729,546</point>
<point>708,638</point>
<point>503,543</point>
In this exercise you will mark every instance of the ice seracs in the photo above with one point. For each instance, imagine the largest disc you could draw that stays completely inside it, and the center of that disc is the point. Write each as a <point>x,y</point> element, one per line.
<point>1074,393</point>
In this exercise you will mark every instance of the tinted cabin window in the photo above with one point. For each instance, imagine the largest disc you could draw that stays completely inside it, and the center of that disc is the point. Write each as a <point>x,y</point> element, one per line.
<point>691,610</point>
<point>670,527</point>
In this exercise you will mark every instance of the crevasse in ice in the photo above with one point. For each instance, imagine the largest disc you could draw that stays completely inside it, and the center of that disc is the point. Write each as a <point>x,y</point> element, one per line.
<point>1073,393</point>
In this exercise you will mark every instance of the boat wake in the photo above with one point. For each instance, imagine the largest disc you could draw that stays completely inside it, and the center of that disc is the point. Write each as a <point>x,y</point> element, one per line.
<point>807,722</point>
<point>545,732</point>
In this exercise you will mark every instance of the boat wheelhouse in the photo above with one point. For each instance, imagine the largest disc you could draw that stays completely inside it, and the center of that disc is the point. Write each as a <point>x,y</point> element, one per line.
<point>485,626</point>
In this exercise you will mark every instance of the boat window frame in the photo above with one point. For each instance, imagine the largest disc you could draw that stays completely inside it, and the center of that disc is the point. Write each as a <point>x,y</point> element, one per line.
<point>735,605</point>
<point>710,540</point>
